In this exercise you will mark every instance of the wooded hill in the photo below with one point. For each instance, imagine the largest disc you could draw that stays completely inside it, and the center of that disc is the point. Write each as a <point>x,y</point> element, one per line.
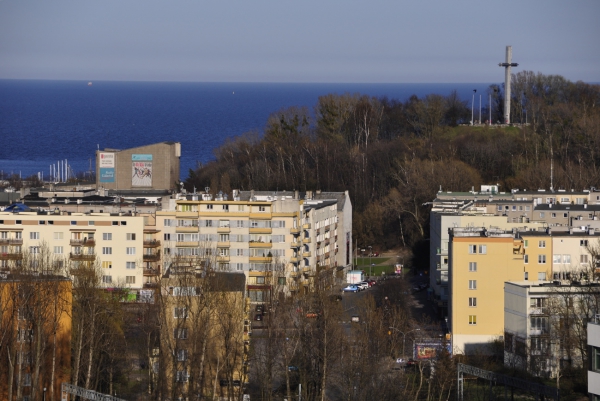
<point>393,156</point>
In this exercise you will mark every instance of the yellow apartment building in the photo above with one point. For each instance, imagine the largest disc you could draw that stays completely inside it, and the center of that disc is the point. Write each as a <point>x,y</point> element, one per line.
<point>481,260</point>
<point>114,241</point>
<point>537,259</point>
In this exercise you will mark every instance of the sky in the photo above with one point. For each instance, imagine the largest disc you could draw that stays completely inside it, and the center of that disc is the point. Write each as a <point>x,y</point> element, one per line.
<point>329,41</point>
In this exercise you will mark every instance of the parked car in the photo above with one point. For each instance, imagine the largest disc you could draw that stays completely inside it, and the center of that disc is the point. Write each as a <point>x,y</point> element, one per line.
<point>355,319</point>
<point>258,317</point>
<point>371,282</point>
<point>259,308</point>
<point>363,285</point>
<point>351,288</point>
<point>312,314</point>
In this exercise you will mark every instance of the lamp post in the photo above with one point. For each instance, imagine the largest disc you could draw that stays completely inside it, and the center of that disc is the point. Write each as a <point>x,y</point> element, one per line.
<point>472,105</point>
<point>44,394</point>
<point>404,337</point>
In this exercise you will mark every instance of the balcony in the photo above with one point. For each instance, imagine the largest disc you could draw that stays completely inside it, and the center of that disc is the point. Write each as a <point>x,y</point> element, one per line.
<point>295,245</point>
<point>83,242</point>
<point>82,257</point>
<point>306,241</point>
<point>152,257</point>
<point>150,285</point>
<point>151,272</point>
<point>260,230</point>
<point>295,230</point>
<point>260,244</point>
<point>223,244</point>
<point>295,274</point>
<point>11,241</point>
<point>306,226</point>
<point>11,256</point>
<point>223,258</point>
<point>186,229</point>
<point>294,259</point>
<point>306,254</point>
<point>224,230</point>
<point>538,311</point>
<point>151,243</point>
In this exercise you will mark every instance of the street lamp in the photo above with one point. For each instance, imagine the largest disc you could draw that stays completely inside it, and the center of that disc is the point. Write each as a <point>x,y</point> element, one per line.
<point>472,104</point>
<point>404,337</point>
<point>44,393</point>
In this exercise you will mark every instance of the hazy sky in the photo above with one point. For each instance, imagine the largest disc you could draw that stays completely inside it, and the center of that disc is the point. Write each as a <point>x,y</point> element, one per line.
<point>297,41</point>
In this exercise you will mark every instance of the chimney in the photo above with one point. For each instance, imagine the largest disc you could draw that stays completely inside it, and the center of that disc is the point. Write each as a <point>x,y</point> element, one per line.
<point>296,194</point>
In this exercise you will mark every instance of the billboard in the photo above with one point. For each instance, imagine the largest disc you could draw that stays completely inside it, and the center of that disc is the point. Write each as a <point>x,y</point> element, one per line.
<point>426,350</point>
<point>106,164</point>
<point>141,170</point>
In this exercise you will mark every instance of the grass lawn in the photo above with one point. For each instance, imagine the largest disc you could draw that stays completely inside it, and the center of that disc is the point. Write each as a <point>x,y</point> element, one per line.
<point>365,261</point>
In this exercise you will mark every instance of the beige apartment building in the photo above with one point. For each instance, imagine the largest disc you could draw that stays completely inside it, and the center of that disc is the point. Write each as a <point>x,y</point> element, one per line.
<point>113,241</point>
<point>281,242</point>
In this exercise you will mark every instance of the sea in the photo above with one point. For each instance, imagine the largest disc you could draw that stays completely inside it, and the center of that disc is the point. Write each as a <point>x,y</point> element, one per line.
<point>44,123</point>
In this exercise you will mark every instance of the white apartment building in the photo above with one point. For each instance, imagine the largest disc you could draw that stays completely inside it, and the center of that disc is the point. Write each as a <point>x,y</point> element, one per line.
<point>113,241</point>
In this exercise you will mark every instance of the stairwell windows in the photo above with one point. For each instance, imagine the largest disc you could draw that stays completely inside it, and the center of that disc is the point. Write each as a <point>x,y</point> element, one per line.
<point>472,320</point>
<point>525,259</point>
<point>472,266</point>
<point>472,284</point>
<point>472,302</point>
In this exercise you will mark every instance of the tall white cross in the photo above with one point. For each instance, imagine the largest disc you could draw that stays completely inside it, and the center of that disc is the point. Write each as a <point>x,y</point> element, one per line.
<point>507,66</point>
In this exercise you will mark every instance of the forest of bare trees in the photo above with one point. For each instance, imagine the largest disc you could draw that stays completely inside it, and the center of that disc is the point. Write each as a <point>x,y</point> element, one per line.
<point>393,156</point>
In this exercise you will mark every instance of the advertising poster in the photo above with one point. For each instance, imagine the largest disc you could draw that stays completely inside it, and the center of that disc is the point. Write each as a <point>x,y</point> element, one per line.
<point>428,350</point>
<point>141,170</point>
<point>106,164</point>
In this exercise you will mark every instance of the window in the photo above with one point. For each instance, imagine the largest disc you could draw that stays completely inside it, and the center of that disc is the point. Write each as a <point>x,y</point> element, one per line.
<point>130,236</point>
<point>130,265</point>
<point>107,279</point>
<point>58,250</point>
<point>541,259</point>
<point>539,323</point>
<point>129,279</point>
<point>208,223</point>
<point>130,251</point>
<point>483,249</point>
<point>223,251</point>
<point>542,215</point>
<point>262,209</point>
<point>556,258</point>
<point>107,236</point>
<point>472,284</point>
<point>106,250</point>
<point>472,302</point>
<point>583,259</point>
<point>181,355</point>
<point>58,235</point>
<point>499,208</point>
<point>472,249</point>
<point>472,266</point>
<point>281,280</point>
<point>542,244</point>
<point>541,276</point>
<point>106,264</point>
<point>224,238</point>
<point>527,208</point>
<point>526,243</point>
<point>565,215</point>
<point>260,280</point>
<point>209,207</point>
<point>34,235</point>
<point>180,333</point>
<point>526,276</point>
<point>553,215</point>
<point>225,207</point>
<point>472,319</point>
<point>34,250</point>
<point>182,376</point>
<point>526,258</point>
<point>180,312</point>
<point>583,242</point>
<point>566,258</point>
<point>596,359</point>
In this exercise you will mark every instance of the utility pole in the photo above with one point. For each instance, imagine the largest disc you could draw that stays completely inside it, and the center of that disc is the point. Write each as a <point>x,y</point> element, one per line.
<point>507,64</point>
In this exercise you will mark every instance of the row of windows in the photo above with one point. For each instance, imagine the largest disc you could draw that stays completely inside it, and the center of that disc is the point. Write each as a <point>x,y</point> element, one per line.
<point>73,222</point>
<point>107,250</point>
<point>556,259</point>
<point>107,264</point>
<point>60,235</point>
<point>128,279</point>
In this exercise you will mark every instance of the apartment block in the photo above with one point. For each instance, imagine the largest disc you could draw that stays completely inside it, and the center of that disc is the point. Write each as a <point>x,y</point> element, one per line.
<point>593,341</point>
<point>544,324</point>
<point>480,261</point>
<point>112,241</point>
<point>281,242</point>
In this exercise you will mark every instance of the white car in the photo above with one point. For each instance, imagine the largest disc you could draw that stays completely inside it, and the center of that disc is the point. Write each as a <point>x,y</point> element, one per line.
<point>363,285</point>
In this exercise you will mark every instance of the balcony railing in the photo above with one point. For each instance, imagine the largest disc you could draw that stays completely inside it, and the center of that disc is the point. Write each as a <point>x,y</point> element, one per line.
<point>83,242</point>
<point>11,256</point>
<point>152,257</point>
<point>152,243</point>
<point>89,257</point>
<point>151,272</point>
<point>11,241</point>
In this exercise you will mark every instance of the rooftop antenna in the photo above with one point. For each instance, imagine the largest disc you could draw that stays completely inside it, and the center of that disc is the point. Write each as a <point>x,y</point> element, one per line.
<point>507,64</point>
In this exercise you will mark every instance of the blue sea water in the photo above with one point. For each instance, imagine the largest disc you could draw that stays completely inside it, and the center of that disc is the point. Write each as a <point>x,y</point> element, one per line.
<point>42,122</point>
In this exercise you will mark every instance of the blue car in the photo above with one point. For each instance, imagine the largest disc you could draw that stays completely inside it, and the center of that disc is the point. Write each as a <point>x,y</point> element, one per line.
<point>351,288</point>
